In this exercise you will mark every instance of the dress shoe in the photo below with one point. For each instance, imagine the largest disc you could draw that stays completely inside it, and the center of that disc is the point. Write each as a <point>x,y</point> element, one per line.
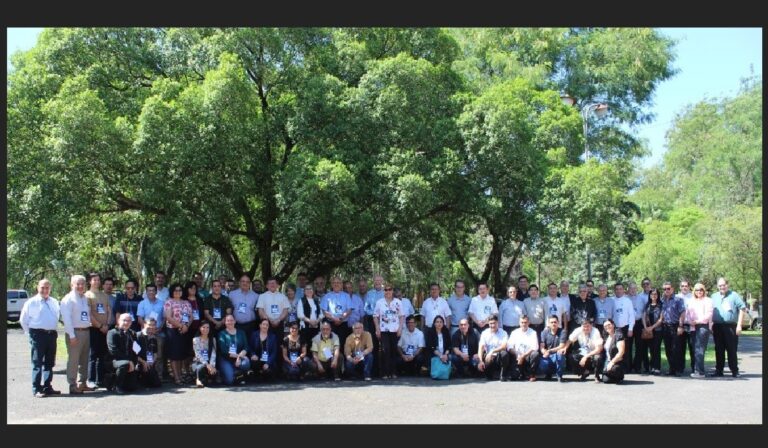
<point>74,390</point>
<point>86,388</point>
<point>52,391</point>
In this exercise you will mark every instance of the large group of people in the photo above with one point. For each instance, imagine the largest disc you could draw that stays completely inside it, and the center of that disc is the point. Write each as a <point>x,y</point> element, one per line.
<point>188,335</point>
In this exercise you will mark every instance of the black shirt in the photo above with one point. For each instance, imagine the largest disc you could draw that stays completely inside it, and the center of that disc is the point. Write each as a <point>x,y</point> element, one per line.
<point>550,340</point>
<point>582,310</point>
<point>471,341</point>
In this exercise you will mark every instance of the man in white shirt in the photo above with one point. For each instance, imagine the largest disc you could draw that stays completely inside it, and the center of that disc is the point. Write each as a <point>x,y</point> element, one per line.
<point>523,346</point>
<point>39,318</point>
<point>273,305</point>
<point>411,347</point>
<point>435,306</point>
<point>492,350</point>
<point>76,314</point>
<point>555,306</point>
<point>624,317</point>
<point>587,356</point>
<point>482,307</point>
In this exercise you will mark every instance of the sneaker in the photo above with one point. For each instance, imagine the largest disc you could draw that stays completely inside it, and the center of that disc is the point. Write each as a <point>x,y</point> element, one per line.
<point>368,378</point>
<point>559,379</point>
<point>92,385</point>
<point>532,379</point>
<point>736,375</point>
<point>697,375</point>
<point>336,379</point>
<point>40,394</point>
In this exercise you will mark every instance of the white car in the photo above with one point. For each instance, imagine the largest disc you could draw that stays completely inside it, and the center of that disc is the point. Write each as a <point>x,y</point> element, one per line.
<point>15,299</point>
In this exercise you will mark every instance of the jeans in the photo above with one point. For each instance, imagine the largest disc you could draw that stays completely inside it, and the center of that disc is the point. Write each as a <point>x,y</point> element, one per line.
<point>464,368</point>
<point>97,356</point>
<point>554,362</point>
<point>228,369</point>
<point>726,341</point>
<point>43,343</point>
<point>366,364</point>
<point>701,339</point>
<point>291,372</point>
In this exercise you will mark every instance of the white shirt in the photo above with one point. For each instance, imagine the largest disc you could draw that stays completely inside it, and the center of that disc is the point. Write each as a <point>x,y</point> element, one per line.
<point>482,309</point>
<point>566,304</point>
<point>313,312</point>
<point>591,341</point>
<point>492,340</point>
<point>553,305</point>
<point>521,341</point>
<point>410,342</point>
<point>388,314</point>
<point>510,311</point>
<point>623,312</point>
<point>273,303</point>
<point>39,313</point>
<point>431,308</point>
<point>162,294</point>
<point>75,313</point>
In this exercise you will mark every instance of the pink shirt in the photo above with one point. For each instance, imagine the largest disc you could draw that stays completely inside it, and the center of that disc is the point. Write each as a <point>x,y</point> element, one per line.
<point>699,311</point>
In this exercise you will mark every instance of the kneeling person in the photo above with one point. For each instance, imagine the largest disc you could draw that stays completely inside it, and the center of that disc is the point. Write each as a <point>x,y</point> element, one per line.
<point>587,356</point>
<point>523,347</point>
<point>124,349</point>
<point>358,351</point>
<point>552,349</point>
<point>465,343</point>
<point>325,352</point>
<point>492,350</point>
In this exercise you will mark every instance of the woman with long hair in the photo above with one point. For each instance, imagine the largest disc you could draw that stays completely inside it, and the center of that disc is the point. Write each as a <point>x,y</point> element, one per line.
<point>204,362</point>
<point>613,350</point>
<point>698,314</point>
<point>652,320</point>
<point>438,340</point>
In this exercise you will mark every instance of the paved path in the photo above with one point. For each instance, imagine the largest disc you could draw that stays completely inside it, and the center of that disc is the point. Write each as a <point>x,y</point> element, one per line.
<point>406,400</point>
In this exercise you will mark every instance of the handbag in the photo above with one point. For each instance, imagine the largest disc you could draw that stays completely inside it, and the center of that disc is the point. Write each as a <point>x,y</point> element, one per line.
<point>646,334</point>
<point>440,370</point>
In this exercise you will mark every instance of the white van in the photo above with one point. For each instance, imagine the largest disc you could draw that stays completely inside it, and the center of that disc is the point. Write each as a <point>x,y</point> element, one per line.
<point>15,299</point>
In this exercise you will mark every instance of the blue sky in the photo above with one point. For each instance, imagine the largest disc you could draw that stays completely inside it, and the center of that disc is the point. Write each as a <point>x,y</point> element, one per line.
<point>711,64</point>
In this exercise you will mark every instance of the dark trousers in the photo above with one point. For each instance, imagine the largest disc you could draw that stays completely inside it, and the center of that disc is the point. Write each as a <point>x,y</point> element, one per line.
<point>464,368</point>
<point>510,328</point>
<point>689,343</point>
<point>329,371</point>
<point>498,366</point>
<point>201,372</point>
<point>635,350</point>
<point>411,367</point>
<point>342,331</point>
<point>654,346</point>
<point>614,375</point>
<point>125,380</point>
<point>726,341</point>
<point>592,364</point>
<point>628,342</point>
<point>149,378</point>
<point>538,328</point>
<point>673,343</point>
<point>527,369</point>
<point>97,356</point>
<point>43,343</point>
<point>389,354</point>
<point>248,328</point>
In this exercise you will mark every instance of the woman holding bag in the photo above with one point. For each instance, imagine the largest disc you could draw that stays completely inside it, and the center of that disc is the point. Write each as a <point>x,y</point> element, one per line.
<point>438,342</point>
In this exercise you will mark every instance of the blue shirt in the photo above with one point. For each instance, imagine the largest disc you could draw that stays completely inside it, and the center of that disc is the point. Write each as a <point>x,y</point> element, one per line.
<point>357,305</point>
<point>336,303</point>
<point>371,297</point>
<point>726,309</point>
<point>146,308</point>
<point>671,309</point>
<point>458,307</point>
<point>299,293</point>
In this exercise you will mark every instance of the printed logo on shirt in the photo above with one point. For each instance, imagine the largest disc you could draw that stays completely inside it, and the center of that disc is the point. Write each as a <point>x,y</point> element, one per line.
<point>619,310</point>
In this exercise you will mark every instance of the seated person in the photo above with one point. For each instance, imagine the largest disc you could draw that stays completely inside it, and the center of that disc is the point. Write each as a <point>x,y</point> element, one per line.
<point>204,360</point>
<point>263,345</point>
<point>492,349</point>
<point>410,348</point>
<point>464,344</point>
<point>586,356</point>
<point>523,346</point>
<point>296,360</point>
<point>123,349</point>
<point>438,341</point>
<point>613,353</point>
<point>234,363</point>
<point>552,349</point>
<point>326,353</point>
<point>147,339</point>
<point>358,352</point>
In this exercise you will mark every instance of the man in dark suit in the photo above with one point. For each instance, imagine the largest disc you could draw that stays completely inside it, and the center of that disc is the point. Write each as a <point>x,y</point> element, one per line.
<point>123,349</point>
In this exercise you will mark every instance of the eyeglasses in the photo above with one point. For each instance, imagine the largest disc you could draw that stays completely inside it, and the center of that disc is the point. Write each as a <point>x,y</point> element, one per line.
<point>387,289</point>
<point>667,289</point>
<point>698,289</point>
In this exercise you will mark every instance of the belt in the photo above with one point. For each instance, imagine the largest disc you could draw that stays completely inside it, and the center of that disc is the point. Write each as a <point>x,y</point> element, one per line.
<point>82,329</point>
<point>41,330</point>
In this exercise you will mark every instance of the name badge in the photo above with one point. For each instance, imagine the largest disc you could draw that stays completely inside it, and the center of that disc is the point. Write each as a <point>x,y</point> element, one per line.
<point>409,350</point>
<point>359,354</point>
<point>264,356</point>
<point>100,308</point>
<point>583,350</point>
<point>487,310</point>
<point>232,349</point>
<point>217,313</point>
<point>523,348</point>
<point>185,318</point>
<point>465,349</point>
<point>339,310</point>
<point>204,355</point>
<point>275,312</point>
<point>328,353</point>
<point>84,316</point>
<point>241,308</point>
<point>293,357</point>
<point>150,357</point>
<point>136,347</point>
<point>195,315</point>
<point>292,317</point>
<point>601,314</point>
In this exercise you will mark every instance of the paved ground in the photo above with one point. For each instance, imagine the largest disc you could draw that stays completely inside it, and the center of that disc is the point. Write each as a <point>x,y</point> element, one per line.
<point>406,400</point>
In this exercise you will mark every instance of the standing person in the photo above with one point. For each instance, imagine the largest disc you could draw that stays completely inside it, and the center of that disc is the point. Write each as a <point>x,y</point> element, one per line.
<point>197,277</point>
<point>653,318</point>
<point>244,301</point>
<point>582,308</point>
<point>337,308</point>
<point>293,307</point>
<point>624,320</point>
<point>161,292</point>
<point>604,305</point>
<point>482,307</point>
<point>215,307</point>
<point>591,289</point>
<point>204,361</point>
<point>565,297</point>
<point>371,298</point>
<point>435,306</point>
<point>76,315</point>
<point>639,301</point>
<point>128,302</point>
<point>673,311</point>
<point>108,286</point>
<point>587,356</point>
<point>356,302</point>
<point>523,347</point>
<point>554,306</point>
<point>689,332</point>
<point>257,286</point>
<point>438,341</point>
<point>408,308</point>
<point>613,352</point>
<point>309,314</point>
<point>98,301</point>
<point>358,352</point>
<point>152,308</point>
<point>698,315</point>
<point>233,359</point>
<point>178,314</point>
<point>522,287</point>
<point>465,343</point>
<point>123,349</point>
<point>492,351</point>
<point>535,309</point>
<point>273,306</point>
<point>459,303</point>
<point>192,297</point>
<point>319,283</point>
<point>726,326</point>
<point>388,319</point>
<point>301,283</point>
<point>39,318</point>
<point>510,311</point>
<point>552,350</point>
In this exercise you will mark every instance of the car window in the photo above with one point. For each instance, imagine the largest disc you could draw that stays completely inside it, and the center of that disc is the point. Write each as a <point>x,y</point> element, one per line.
<point>10,295</point>
<point>22,294</point>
